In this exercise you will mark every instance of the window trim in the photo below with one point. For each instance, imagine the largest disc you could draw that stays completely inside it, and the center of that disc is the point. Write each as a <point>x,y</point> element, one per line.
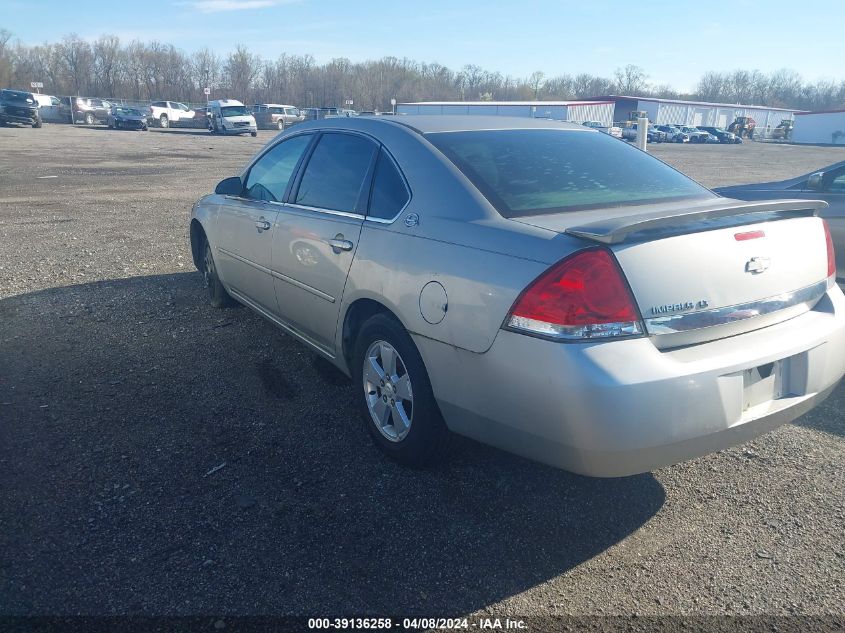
<point>383,149</point>
<point>363,201</point>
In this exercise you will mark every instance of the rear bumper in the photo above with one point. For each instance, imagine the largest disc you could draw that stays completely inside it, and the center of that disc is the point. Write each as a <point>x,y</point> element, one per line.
<point>619,408</point>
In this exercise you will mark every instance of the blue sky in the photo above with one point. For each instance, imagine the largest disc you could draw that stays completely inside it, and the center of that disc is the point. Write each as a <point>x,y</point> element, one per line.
<point>683,39</point>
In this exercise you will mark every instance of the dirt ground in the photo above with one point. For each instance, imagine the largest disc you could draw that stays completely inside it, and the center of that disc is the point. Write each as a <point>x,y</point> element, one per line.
<point>162,457</point>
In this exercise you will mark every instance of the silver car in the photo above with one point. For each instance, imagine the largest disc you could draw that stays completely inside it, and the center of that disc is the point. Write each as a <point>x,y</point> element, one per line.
<point>533,284</point>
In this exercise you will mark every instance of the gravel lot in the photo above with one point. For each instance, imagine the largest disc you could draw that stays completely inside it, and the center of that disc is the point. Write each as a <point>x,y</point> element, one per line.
<point>162,457</point>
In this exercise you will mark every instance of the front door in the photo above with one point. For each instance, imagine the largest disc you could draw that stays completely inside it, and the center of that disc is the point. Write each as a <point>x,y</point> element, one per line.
<point>317,234</point>
<point>246,224</point>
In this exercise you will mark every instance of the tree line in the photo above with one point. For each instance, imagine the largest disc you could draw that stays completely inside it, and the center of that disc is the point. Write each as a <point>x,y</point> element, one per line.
<point>154,70</point>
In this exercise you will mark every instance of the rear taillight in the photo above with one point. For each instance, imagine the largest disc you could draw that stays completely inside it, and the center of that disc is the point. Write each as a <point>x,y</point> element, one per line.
<point>831,254</point>
<point>581,297</point>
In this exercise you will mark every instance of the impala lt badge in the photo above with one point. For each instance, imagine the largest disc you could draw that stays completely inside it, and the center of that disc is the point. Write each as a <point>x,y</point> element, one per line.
<point>757,264</point>
<point>682,306</point>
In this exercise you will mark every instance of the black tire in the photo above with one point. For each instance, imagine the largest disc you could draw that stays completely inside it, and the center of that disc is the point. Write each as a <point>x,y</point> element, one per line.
<point>217,295</point>
<point>253,134</point>
<point>89,119</point>
<point>163,121</point>
<point>37,123</point>
<point>280,124</point>
<point>428,436</point>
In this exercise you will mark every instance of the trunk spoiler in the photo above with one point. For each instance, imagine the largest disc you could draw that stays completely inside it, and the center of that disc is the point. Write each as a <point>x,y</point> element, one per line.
<point>616,230</point>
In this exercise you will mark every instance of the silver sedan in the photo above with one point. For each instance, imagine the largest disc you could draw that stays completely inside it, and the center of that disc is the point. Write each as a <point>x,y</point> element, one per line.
<point>536,285</point>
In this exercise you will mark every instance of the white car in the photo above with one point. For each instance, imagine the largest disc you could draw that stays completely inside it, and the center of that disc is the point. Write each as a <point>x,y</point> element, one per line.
<point>165,113</point>
<point>613,130</point>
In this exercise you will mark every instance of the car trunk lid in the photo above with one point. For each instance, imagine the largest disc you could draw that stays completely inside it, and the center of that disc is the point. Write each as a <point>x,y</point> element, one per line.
<point>713,269</point>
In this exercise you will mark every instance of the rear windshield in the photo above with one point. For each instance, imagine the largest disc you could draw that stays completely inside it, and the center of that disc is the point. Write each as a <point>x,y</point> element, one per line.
<point>537,172</point>
<point>233,111</point>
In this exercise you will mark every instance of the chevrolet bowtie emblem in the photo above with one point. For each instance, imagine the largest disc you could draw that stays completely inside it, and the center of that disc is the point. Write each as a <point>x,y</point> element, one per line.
<point>757,264</point>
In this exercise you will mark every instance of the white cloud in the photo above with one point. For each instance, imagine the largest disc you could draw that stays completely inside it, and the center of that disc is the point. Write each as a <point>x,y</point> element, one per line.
<point>216,6</point>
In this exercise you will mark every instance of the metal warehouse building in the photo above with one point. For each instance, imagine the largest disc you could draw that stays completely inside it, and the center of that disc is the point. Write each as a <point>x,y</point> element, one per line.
<point>675,111</point>
<point>825,127</point>
<point>575,111</point>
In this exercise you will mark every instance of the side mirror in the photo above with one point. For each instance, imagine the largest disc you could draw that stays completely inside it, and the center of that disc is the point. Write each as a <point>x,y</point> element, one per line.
<point>229,187</point>
<point>815,181</point>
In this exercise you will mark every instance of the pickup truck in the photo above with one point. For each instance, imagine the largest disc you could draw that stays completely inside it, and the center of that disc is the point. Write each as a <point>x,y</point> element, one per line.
<point>165,113</point>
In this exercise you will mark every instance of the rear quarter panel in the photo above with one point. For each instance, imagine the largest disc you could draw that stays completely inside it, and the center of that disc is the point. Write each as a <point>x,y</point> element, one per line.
<point>392,268</point>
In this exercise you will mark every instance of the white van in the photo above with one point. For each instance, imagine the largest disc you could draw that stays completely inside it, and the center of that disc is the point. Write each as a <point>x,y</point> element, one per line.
<point>228,116</point>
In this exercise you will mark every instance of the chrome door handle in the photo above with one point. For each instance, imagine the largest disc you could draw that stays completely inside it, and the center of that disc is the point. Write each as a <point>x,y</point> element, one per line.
<point>262,225</point>
<point>340,245</point>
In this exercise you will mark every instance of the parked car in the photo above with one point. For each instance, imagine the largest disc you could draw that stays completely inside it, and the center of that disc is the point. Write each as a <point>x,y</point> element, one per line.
<point>167,113</point>
<point>723,136</point>
<point>318,113</point>
<point>708,137</point>
<point>126,118</point>
<point>201,118</point>
<point>674,134</point>
<point>91,111</point>
<point>595,317</point>
<point>64,108</point>
<point>49,108</point>
<point>827,184</point>
<point>274,115</point>
<point>695,135</point>
<point>652,135</point>
<point>228,116</point>
<point>19,107</point>
<point>613,130</point>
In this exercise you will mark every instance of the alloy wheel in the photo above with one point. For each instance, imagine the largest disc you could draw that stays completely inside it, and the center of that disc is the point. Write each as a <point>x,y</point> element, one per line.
<point>208,271</point>
<point>388,391</point>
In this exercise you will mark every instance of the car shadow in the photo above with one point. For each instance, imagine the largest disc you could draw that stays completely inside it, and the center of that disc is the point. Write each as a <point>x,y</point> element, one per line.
<point>827,416</point>
<point>163,457</point>
<point>196,131</point>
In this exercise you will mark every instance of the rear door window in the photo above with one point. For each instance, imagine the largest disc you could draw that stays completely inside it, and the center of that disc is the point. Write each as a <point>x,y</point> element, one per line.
<point>270,175</point>
<point>389,194</point>
<point>335,174</point>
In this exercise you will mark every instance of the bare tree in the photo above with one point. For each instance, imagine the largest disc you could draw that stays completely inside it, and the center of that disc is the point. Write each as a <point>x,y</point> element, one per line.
<point>536,82</point>
<point>631,80</point>
<point>240,70</point>
<point>107,64</point>
<point>75,53</point>
<point>5,60</point>
<point>157,70</point>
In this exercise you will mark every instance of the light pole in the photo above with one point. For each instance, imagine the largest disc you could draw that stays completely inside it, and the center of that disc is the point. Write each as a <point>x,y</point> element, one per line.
<point>207,86</point>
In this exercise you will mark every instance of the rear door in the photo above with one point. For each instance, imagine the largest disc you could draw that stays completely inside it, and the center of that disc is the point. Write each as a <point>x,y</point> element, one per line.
<point>246,223</point>
<point>318,231</point>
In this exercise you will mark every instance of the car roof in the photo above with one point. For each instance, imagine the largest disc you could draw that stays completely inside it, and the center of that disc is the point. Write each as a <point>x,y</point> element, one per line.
<point>434,123</point>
